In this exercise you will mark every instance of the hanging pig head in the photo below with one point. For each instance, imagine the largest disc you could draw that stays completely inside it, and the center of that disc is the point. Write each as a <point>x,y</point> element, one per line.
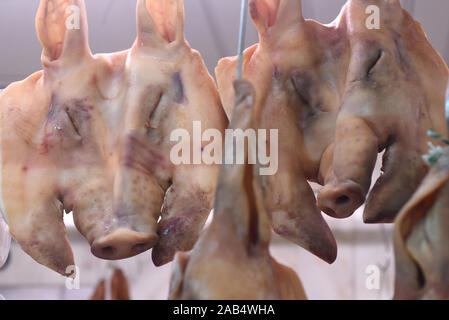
<point>421,238</point>
<point>395,91</point>
<point>92,134</point>
<point>231,260</point>
<point>340,94</point>
<point>297,73</point>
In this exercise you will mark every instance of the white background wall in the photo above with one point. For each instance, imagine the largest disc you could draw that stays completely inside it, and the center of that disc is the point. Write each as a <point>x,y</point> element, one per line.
<point>211,27</point>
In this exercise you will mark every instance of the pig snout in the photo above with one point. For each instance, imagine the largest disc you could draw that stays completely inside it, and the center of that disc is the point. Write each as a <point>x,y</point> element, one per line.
<point>122,243</point>
<point>340,200</point>
<point>119,216</point>
<point>355,154</point>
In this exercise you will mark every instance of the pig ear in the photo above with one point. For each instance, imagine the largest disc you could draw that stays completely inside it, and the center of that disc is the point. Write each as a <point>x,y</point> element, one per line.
<point>62,30</point>
<point>408,269</point>
<point>160,22</point>
<point>100,291</point>
<point>271,16</point>
<point>119,286</point>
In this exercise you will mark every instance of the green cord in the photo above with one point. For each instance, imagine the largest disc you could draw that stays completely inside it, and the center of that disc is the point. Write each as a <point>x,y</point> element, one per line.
<point>435,152</point>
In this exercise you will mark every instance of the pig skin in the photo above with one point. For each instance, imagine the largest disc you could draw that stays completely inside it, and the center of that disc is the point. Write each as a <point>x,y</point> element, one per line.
<point>91,134</point>
<point>395,92</point>
<point>231,260</point>
<point>339,94</point>
<point>421,239</point>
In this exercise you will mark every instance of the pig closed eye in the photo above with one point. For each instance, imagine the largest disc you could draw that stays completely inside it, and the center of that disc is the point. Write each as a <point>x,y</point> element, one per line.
<point>72,122</point>
<point>152,104</point>
<point>310,104</point>
<point>301,89</point>
<point>373,62</point>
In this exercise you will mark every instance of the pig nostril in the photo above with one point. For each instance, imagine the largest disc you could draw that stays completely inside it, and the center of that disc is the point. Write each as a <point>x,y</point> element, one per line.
<point>122,244</point>
<point>329,211</point>
<point>108,251</point>
<point>342,200</point>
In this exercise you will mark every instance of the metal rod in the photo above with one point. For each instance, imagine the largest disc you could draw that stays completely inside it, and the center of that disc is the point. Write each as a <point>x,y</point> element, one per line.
<point>243,17</point>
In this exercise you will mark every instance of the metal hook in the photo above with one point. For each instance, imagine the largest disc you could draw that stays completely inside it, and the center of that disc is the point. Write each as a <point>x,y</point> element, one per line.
<point>242,33</point>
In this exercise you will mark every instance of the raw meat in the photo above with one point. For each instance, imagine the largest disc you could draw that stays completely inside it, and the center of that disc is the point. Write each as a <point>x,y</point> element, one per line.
<point>91,134</point>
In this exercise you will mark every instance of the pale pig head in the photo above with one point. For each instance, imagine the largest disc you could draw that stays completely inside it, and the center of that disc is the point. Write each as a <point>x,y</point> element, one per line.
<point>92,134</point>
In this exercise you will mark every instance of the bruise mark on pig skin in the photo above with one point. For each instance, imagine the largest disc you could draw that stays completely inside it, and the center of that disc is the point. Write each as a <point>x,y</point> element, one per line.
<point>177,234</point>
<point>46,145</point>
<point>141,157</point>
<point>191,215</point>
<point>81,105</point>
<point>178,86</point>
<point>170,226</point>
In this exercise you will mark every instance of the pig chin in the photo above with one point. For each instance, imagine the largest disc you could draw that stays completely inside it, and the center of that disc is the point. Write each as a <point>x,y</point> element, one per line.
<point>119,218</point>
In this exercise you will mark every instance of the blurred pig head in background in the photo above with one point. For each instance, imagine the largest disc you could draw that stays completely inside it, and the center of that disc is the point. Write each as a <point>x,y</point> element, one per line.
<point>394,93</point>
<point>91,134</point>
